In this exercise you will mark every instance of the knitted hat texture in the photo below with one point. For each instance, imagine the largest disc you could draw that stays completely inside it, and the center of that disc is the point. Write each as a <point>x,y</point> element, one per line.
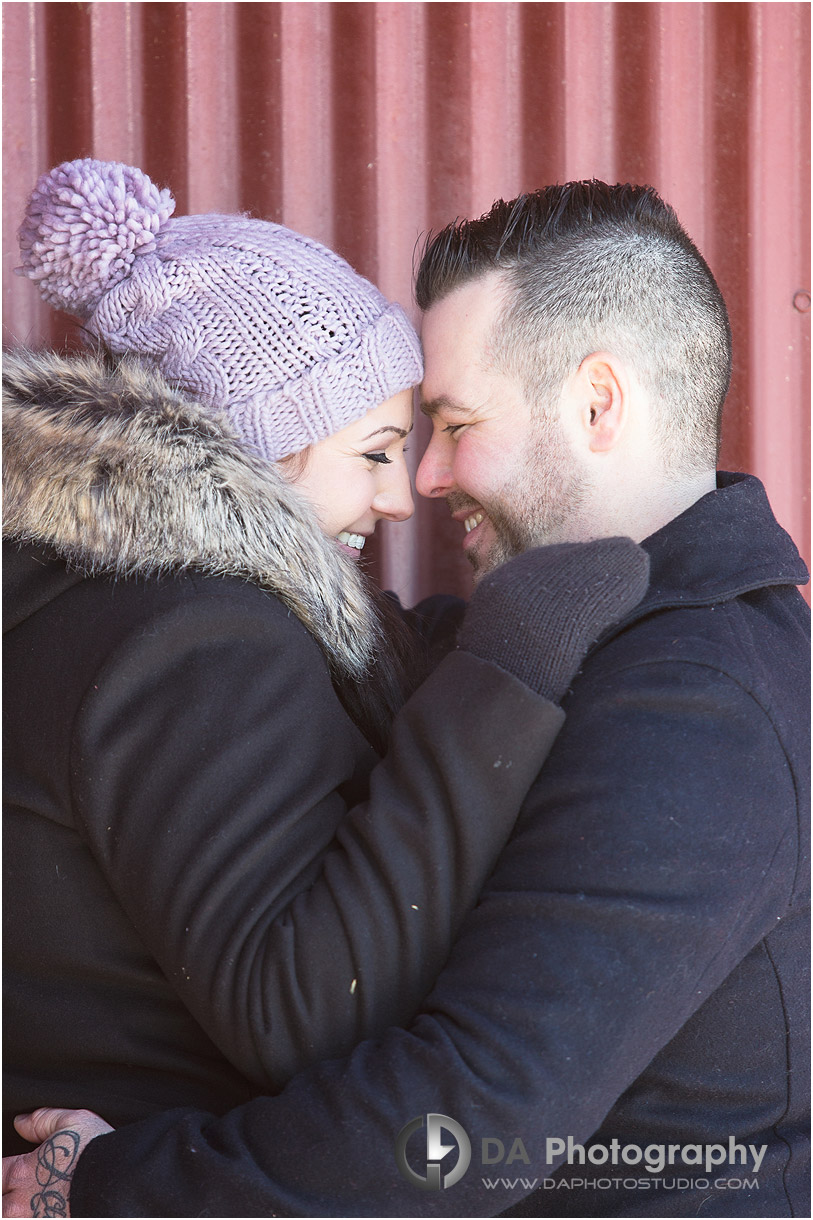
<point>248,316</point>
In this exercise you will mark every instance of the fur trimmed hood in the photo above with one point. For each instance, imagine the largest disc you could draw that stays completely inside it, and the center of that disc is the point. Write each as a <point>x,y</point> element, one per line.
<point>122,474</point>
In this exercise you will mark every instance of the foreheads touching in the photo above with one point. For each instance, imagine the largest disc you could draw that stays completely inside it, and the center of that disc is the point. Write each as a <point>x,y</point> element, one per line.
<point>588,267</point>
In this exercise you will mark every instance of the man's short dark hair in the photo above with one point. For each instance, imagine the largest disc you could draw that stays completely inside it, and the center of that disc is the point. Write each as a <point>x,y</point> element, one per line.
<point>590,267</point>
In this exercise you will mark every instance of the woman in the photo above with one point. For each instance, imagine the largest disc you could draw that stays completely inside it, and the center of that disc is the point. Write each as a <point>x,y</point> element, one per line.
<point>211,881</point>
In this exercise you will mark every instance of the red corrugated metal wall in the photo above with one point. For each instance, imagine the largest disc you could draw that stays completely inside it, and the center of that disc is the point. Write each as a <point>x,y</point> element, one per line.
<point>365,124</point>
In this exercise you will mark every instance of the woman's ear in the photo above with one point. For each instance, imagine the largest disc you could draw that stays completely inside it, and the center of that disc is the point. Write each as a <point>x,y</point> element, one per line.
<point>294,465</point>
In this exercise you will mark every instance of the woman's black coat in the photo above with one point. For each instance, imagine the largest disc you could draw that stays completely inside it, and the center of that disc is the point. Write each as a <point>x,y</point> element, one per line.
<point>209,883</point>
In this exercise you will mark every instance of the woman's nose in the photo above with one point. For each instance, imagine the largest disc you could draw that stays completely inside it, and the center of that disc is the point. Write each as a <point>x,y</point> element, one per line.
<point>394,500</point>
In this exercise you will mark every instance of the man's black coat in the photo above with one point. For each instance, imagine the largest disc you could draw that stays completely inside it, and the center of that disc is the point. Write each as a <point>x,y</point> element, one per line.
<point>634,976</point>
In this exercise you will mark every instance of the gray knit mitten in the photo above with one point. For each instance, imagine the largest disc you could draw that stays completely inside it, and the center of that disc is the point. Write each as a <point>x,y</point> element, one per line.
<point>537,615</point>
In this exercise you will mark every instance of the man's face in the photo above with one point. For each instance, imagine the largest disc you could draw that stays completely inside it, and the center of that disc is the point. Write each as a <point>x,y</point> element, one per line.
<point>502,464</point>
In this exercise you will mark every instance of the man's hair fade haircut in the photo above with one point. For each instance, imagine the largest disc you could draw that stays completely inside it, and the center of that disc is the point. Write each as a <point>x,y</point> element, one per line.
<point>590,267</point>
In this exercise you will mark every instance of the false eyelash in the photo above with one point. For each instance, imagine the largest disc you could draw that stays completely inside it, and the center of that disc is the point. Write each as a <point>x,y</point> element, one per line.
<point>379,457</point>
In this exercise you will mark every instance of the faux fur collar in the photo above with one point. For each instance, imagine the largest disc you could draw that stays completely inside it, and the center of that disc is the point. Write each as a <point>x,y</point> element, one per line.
<point>122,474</point>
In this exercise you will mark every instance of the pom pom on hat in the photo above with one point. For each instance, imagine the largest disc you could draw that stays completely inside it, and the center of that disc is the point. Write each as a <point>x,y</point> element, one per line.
<point>84,225</point>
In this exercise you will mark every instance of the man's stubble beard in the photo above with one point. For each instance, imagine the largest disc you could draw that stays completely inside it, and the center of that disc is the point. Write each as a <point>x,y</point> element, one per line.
<point>537,504</point>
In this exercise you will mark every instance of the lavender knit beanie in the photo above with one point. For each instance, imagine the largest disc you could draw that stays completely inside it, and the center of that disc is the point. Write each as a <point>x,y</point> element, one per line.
<point>248,316</point>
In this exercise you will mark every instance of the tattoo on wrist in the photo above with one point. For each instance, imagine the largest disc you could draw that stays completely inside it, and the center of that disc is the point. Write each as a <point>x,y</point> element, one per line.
<point>56,1161</point>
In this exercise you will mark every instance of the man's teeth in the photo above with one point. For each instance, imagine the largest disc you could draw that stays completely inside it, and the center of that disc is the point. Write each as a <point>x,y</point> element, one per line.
<point>470,522</point>
<point>356,541</point>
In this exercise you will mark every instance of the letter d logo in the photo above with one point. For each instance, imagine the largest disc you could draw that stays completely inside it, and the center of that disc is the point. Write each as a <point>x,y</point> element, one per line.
<point>436,1150</point>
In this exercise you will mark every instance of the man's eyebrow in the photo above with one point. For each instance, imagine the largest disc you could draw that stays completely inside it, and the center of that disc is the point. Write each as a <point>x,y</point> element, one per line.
<point>432,406</point>
<point>388,428</point>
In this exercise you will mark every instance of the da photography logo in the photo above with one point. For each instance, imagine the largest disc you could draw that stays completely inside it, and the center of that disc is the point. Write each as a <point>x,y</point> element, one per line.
<point>436,1151</point>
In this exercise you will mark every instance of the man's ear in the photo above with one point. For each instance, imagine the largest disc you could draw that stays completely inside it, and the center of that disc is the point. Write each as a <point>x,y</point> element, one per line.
<point>602,387</point>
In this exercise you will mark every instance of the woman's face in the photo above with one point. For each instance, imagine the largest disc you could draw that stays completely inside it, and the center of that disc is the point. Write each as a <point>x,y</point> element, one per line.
<point>359,476</point>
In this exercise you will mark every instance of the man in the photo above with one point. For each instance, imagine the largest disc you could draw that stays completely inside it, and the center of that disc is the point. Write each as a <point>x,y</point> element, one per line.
<point>620,1029</point>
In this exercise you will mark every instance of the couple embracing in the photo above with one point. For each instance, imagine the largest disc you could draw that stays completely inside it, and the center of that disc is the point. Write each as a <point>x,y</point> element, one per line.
<point>289,866</point>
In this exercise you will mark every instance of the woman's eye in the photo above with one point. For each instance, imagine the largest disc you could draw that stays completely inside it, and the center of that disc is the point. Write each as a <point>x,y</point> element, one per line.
<point>379,457</point>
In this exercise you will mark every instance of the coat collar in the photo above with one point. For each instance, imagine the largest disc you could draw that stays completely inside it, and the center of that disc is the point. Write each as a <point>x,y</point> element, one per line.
<point>727,543</point>
<point>120,473</point>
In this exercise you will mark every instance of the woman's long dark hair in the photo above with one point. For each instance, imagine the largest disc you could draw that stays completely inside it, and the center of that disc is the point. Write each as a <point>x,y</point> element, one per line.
<point>400,664</point>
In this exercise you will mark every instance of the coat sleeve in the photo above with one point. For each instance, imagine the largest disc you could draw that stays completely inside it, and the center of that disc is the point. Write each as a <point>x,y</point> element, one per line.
<point>213,767</point>
<point>656,849</point>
